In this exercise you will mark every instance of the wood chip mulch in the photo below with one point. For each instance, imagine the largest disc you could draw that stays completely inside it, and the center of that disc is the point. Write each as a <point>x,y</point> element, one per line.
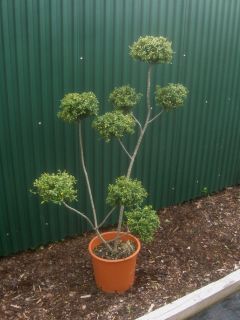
<point>198,243</point>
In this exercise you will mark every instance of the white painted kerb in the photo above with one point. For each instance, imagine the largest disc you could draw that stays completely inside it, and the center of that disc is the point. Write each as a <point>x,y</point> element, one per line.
<point>198,300</point>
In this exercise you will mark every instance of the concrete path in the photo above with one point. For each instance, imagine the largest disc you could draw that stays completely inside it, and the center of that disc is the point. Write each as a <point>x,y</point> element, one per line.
<point>228,309</point>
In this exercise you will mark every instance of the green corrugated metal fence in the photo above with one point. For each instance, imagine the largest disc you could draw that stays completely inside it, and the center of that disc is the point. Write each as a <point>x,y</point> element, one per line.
<point>49,48</point>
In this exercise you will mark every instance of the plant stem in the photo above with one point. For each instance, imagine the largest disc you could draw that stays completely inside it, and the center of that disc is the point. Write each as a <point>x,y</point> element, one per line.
<point>106,217</point>
<point>142,132</point>
<point>103,240</point>
<point>149,110</point>
<point>155,117</point>
<point>80,213</point>
<point>86,175</point>
<point>122,145</point>
<point>91,224</point>
<point>89,189</point>
<point>137,121</point>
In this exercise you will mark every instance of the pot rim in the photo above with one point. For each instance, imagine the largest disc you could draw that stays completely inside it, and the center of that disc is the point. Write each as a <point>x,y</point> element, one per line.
<point>116,260</point>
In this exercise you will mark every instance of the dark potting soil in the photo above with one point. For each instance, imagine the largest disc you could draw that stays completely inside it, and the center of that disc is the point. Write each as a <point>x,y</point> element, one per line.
<point>197,243</point>
<point>123,250</point>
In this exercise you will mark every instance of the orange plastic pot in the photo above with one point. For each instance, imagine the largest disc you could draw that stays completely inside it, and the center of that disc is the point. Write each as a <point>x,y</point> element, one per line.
<point>114,275</point>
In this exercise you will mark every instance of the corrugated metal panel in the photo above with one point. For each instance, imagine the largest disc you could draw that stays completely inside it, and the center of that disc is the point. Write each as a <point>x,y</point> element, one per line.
<point>49,48</point>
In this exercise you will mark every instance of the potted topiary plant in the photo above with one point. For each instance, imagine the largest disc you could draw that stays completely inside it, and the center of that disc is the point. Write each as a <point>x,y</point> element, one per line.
<point>114,253</point>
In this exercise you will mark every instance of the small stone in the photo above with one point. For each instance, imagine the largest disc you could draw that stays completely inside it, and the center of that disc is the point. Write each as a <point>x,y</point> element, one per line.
<point>72,293</point>
<point>151,307</point>
<point>86,296</point>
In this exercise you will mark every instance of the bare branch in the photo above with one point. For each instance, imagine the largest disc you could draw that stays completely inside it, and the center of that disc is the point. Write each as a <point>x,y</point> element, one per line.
<point>91,224</point>
<point>79,213</point>
<point>95,226</point>
<point>137,121</point>
<point>106,217</point>
<point>149,110</point>
<point>149,88</point>
<point>158,115</point>
<point>122,145</point>
<point>86,175</point>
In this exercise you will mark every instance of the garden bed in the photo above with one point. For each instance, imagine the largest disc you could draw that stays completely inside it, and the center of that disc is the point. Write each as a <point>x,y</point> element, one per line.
<point>198,243</point>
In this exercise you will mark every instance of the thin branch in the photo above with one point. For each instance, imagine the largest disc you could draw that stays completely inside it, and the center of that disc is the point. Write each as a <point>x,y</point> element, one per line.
<point>137,121</point>
<point>120,220</point>
<point>86,175</point>
<point>122,145</point>
<point>107,216</point>
<point>158,115</point>
<point>149,110</point>
<point>149,88</point>
<point>79,213</point>
<point>95,227</point>
<point>91,224</point>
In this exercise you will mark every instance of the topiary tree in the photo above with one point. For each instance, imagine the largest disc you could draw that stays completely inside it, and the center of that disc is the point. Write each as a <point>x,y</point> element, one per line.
<point>125,194</point>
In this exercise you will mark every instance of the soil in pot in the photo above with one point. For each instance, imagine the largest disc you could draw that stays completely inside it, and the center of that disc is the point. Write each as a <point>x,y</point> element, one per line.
<point>123,250</point>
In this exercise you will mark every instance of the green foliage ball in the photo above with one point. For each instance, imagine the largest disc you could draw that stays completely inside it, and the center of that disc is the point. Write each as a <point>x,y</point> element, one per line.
<point>56,187</point>
<point>152,50</point>
<point>76,106</point>
<point>114,124</point>
<point>171,96</point>
<point>126,192</point>
<point>143,222</point>
<point>124,98</point>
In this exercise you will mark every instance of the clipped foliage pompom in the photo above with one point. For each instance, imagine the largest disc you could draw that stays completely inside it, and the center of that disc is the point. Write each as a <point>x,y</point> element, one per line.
<point>126,192</point>
<point>152,50</point>
<point>143,222</point>
<point>55,187</point>
<point>76,106</point>
<point>171,96</point>
<point>124,98</point>
<point>114,124</point>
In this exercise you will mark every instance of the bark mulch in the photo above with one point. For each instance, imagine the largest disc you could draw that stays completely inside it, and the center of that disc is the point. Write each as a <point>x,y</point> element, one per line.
<point>198,243</point>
